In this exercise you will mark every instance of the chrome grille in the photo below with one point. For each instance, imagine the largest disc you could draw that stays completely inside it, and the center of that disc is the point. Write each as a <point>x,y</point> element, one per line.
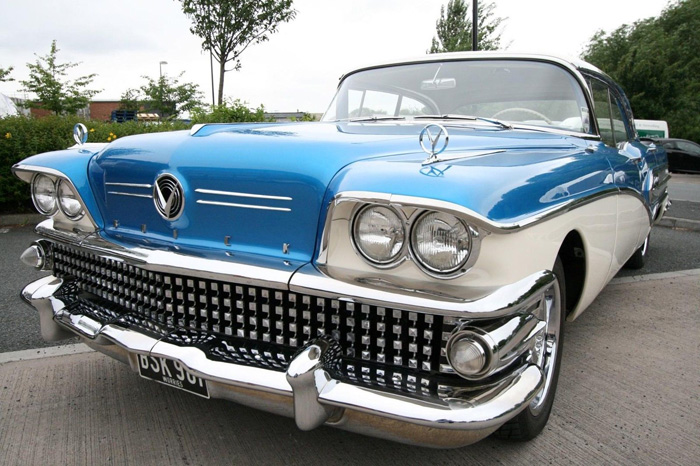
<point>380,345</point>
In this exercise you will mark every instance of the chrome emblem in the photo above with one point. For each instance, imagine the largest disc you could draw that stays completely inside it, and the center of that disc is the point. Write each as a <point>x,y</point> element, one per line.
<point>435,133</point>
<point>168,197</point>
<point>80,134</point>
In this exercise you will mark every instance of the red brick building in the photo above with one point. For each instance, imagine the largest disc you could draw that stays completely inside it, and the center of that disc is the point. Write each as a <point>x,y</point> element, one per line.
<point>97,110</point>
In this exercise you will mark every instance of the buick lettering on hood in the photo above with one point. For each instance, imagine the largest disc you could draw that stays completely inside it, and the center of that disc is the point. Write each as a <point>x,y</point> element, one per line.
<point>402,268</point>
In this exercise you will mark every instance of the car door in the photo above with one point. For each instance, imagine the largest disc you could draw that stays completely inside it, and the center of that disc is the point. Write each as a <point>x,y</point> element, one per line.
<point>632,165</point>
<point>688,156</point>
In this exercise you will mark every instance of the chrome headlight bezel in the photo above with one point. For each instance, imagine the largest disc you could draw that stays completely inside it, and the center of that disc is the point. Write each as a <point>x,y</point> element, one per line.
<point>398,256</point>
<point>410,214</point>
<point>73,195</point>
<point>423,262</point>
<point>53,194</point>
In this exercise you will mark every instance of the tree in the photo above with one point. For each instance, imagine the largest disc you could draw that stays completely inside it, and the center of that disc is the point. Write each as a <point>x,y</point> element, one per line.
<point>47,79</point>
<point>228,27</point>
<point>166,96</point>
<point>130,101</point>
<point>655,60</point>
<point>454,28</point>
<point>4,73</point>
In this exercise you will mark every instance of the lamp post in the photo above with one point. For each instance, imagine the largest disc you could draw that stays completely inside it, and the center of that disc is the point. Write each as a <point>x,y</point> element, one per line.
<point>475,25</point>
<point>160,67</point>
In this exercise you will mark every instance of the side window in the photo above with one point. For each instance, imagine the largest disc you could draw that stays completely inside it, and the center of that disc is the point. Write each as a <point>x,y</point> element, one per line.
<point>688,147</point>
<point>618,121</point>
<point>412,107</point>
<point>601,102</point>
<point>371,103</point>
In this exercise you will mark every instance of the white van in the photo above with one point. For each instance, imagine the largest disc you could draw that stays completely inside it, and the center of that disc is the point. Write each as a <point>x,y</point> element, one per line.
<point>651,128</point>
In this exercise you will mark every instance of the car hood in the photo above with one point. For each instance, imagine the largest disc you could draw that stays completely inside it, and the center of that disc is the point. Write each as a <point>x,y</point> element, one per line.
<point>261,188</point>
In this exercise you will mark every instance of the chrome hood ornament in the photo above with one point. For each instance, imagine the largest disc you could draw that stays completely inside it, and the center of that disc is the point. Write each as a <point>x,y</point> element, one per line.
<point>435,133</point>
<point>80,134</point>
<point>168,197</point>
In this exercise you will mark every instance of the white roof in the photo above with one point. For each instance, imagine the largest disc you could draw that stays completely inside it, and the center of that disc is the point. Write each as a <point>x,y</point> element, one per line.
<point>7,106</point>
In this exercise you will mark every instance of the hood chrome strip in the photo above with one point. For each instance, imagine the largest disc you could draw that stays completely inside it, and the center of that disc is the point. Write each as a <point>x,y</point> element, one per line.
<point>235,194</point>
<point>119,193</point>
<point>131,185</point>
<point>244,206</point>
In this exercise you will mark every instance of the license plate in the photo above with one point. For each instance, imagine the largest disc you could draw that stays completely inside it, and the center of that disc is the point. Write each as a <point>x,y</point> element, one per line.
<point>173,373</point>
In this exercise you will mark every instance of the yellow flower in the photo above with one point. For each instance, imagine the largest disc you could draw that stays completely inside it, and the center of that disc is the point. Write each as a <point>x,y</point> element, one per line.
<point>114,136</point>
<point>8,135</point>
<point>109,139</point>
<point>92,130</point>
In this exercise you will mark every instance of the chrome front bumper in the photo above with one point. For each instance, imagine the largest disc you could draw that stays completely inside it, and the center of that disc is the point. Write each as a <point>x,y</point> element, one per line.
<point>307,391</point>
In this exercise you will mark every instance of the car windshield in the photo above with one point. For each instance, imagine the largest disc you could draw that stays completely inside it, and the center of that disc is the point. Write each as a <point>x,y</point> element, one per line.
<point>515,91</point>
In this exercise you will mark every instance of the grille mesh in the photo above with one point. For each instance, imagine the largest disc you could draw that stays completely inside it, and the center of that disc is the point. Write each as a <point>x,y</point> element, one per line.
<point>381,345</point>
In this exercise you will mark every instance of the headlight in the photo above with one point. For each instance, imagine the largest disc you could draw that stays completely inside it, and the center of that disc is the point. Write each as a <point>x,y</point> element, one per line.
<point>441,242</point>
<point>466,355</point>
<point>378,233</point>
<point>68,201</point>
<point>44,194</point>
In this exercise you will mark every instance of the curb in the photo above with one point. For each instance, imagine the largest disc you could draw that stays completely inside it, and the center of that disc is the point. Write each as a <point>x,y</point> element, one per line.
<point>40,353</point>
<point>679,223</point>
<point>655,276</point>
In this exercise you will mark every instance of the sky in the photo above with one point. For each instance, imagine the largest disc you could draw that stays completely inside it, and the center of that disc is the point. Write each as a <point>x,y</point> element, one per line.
<point>299,67</point>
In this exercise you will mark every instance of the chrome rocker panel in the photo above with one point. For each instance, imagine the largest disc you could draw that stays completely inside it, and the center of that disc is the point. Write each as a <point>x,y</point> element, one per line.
<point>307,391</point>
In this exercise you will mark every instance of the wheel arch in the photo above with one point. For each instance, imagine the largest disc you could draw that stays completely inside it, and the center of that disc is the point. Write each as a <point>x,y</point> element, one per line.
<point>573,257</point>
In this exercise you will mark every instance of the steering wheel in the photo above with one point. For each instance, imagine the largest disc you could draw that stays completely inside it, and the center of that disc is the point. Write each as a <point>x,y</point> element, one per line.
<point>522,109</point>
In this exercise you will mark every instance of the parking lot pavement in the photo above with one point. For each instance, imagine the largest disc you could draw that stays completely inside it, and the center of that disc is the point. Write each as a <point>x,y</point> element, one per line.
<point>629,393</point>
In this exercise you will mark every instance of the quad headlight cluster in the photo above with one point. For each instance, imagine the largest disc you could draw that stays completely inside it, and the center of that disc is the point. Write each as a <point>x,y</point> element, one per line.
<point>439,242</point>
<point>50,196</point>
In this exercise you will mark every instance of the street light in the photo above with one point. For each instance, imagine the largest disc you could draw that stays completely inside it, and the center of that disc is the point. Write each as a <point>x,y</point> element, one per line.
<point>160,65</point>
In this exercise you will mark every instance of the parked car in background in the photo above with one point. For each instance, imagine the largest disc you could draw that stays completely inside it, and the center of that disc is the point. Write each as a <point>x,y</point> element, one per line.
<point>683,155</point>
<point>401,269</point>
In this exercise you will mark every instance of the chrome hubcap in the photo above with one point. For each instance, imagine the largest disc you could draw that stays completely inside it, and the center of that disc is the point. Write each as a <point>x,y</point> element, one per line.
<point>547,345</point>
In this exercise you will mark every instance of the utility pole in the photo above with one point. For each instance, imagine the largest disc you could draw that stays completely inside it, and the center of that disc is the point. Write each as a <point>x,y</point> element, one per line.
<point>475,25</point>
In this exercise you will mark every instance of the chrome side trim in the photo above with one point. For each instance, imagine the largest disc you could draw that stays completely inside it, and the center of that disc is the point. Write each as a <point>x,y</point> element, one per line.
<point>118,193</point>
<point>244,206</point>
<point>235,194</point>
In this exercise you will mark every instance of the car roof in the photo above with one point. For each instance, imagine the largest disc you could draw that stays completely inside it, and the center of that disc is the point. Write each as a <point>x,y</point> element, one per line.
<point>571,63</point>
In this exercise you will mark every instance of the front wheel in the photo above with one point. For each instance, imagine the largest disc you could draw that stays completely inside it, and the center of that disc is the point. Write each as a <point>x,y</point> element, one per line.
<point>530,422</point>
<point>639,257</point>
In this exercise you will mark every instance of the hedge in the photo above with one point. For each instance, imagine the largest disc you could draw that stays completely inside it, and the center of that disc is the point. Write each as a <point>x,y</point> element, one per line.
<point>22,136</point>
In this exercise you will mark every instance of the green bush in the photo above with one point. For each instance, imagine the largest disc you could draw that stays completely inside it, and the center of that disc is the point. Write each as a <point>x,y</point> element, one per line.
<point>21,137</point>
<point>232,112</point>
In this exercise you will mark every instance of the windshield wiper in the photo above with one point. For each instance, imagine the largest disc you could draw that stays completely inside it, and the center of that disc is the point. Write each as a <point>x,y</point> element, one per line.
<point>377,118</point>
<point>449,116</point>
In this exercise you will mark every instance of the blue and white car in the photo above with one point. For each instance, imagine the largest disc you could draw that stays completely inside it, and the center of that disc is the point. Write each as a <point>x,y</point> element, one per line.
<point>402,268</point>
